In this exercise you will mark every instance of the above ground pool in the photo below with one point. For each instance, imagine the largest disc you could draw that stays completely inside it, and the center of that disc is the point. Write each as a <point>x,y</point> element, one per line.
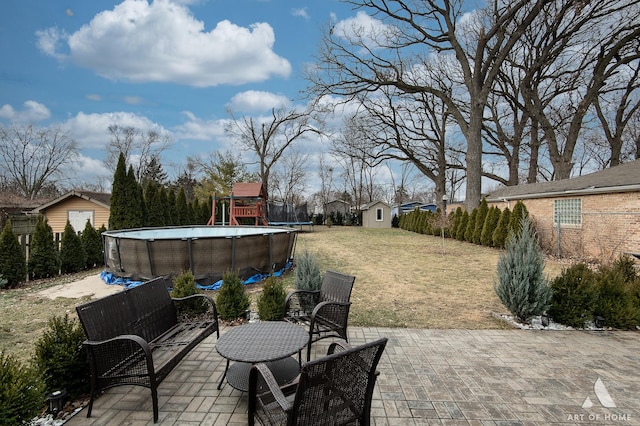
<point>207,251</point>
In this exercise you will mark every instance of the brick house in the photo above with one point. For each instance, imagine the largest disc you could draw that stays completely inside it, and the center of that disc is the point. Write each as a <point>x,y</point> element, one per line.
<point>591,216</point>
<point>77,206</point>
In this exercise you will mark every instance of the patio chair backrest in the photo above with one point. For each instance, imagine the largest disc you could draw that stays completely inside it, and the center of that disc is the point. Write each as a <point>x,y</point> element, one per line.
<point>337,388</point>
<point>336,287</point>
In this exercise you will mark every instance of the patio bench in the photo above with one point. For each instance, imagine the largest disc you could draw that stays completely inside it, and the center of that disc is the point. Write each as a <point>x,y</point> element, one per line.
<point>137,336</point>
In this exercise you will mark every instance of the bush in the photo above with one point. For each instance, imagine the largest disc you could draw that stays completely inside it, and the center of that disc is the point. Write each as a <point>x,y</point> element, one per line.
<point>61,357</point>
<point>490,224</point>
<point>184,285</point>
<point>13,265</point>
<point>307,273</point>
<point>574,296</point>
<point>519,211</point>
<point>462,226</point>
<point>502,228</point>
<point>44,261</point>
<point>72,255</point>
<point>521,286</point>
<point>395,221</point>
<point>232,301</point>
<point>92,245</point>
<point>471,226</point>
<point>618,299</point>
<point>271,300</point>
<point>22,391</point>
<point>483,211</point>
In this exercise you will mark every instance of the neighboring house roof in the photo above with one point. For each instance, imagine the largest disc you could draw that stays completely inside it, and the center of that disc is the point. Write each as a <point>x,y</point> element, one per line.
<point>100,198</point>
<point>622,178</point>
<point>373,203</point>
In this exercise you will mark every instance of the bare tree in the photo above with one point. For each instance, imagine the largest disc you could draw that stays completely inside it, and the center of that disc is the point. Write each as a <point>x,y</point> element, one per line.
<point>578,49</point>
<point>288,179</point>
<point>269,138</point>
<point>140,148</point>
<point>34,158</point>
<point>418,45</point>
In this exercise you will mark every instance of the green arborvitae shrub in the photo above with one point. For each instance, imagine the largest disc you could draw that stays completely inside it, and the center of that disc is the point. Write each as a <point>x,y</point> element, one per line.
<point>182,210</point>
<point>521,285</point>
<point>117,205</point>
<point>185,285</point>
<point>490,224</point>
<point>618,299</point>
<point>72,255</point>
<point>395,221</point>
<point>232,301</point>
<point>92,245</point>
<point>22,393</point>
<point>61,357</point>
<point>471,226</point>
<point>271,300</point>
<point>462,226</point>
<point>455,223</point>
<point>153,203</point>
<point>307,272</point>
<point>44,261</point>
<point>574,296</point>
<point>519,211</point>
<point>502,229</point>
<point>13,265</point>
<point>481,216</point>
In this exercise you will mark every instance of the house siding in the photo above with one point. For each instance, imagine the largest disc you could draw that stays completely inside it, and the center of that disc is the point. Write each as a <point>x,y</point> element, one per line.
<point>610,225</point>
<point>58,214</point>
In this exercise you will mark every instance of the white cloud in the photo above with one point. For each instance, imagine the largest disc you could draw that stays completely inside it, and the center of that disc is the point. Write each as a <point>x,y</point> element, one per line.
<point>90,130</point>
<point>33,112</point>
<point>196,128</point>
<point>163,42</point>
<point>301,12</point>
<point>364,30</point>
<point>133,100</point>
<point>257,101</point>
<point>93,97</point>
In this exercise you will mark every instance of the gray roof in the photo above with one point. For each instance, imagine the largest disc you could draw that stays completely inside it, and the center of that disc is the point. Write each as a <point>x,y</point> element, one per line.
<point>622,178</point>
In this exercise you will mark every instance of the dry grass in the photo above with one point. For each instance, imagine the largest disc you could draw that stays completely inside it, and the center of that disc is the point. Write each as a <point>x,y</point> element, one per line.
<point>406,279</point>
<point>403,279</point>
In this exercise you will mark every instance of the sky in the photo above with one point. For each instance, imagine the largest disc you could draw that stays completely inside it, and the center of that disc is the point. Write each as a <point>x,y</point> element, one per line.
<point>175,66</point>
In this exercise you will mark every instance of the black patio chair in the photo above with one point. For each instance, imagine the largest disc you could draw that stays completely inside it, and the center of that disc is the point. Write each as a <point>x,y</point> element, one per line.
<point>332,390</point>
<point>325,312</point>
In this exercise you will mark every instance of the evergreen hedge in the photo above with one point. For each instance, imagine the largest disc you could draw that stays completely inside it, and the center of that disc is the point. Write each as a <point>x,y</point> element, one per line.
<point>92,245</point>
<point>481,215</point>
<point>44,261</point>
<point>22,394</point>
<point>489,227</point>
<point>502,228</point>
<point>72,255</point>
<point>13,265</point>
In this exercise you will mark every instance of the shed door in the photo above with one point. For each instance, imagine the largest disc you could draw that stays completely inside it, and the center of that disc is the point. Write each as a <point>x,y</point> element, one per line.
<point>78,219</point>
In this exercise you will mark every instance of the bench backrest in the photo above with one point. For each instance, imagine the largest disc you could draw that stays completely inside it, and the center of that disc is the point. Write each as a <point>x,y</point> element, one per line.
<point>146,311</point>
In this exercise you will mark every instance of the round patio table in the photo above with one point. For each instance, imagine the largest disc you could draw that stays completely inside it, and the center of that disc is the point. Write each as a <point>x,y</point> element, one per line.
<point>271,342</point>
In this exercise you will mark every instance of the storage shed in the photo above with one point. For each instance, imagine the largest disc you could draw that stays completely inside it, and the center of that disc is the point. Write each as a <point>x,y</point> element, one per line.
<point>376,215</point>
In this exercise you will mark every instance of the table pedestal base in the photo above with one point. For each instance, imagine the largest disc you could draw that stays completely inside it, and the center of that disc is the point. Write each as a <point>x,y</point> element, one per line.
<point>284,371</point>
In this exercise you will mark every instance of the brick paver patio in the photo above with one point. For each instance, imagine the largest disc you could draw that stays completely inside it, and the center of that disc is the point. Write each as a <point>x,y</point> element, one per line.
<point>484,377</point>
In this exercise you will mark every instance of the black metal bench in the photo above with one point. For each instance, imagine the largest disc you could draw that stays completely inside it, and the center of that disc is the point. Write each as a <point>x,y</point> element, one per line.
<point>137,336</point>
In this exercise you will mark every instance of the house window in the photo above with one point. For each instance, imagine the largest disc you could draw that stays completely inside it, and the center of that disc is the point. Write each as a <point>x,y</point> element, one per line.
<point>567,212</point>
<point>379,215</point>
<point>78,219</point>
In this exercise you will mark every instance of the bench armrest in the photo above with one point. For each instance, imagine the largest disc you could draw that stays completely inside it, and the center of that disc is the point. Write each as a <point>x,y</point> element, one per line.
<point>108,354</point>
